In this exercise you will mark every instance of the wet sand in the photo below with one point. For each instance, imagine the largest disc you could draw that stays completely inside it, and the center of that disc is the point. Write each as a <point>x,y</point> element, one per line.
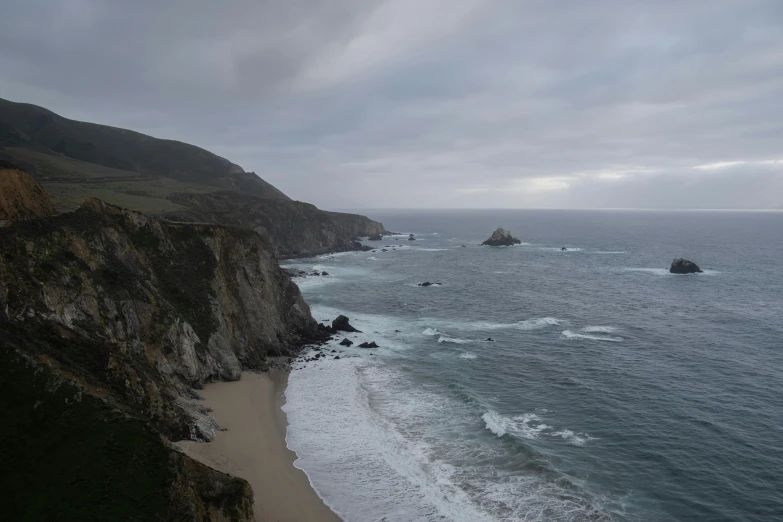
<point>254,448</point>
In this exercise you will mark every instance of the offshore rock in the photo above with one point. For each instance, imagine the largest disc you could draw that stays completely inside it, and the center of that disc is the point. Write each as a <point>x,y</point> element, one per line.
<point>341,324</point>
<point>501,237</point>
<point>683,266</point>
<point>368,345</point>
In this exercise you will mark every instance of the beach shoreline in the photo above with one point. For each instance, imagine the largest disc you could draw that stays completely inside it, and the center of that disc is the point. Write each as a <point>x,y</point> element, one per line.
<point>254,448</point>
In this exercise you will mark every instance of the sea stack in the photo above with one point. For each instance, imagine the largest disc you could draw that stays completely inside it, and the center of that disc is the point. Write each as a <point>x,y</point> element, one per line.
<point>683,266</point>
<point>501,237</point>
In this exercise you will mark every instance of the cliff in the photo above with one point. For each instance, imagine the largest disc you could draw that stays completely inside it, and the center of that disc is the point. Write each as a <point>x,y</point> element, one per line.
<point>109,319</point>
<point>21,196</point>
<point>292,228</point>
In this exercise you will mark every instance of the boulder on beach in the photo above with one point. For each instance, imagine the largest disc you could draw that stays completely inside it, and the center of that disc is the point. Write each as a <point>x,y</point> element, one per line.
<point>375,237</point>
<point>683,266</point>
<point>345,342</point>
<point>501,237</point>
<point>369,345</point>
<point>341,324</point>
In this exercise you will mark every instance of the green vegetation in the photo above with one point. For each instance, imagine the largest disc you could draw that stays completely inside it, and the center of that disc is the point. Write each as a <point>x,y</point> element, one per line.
<point>56,166</point>
<point>27,132</point>
<point>148,196</point>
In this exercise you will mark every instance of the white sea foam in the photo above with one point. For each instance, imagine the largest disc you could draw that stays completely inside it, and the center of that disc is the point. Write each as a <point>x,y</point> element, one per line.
<point>454,340</point>
<point>362,465</point>
<point>568,334</point>
<point>337,254</point>
<point>599,329</point>
<point>431,331</point>
<point>468,355</point>
<point>527,324</point>
<point>577,439</point>
<point>378,447</point>
<point>528,425</point>
<point>610,252</point>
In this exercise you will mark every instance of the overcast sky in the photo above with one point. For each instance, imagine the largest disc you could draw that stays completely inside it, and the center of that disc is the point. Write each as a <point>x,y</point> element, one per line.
<point>432,103</point>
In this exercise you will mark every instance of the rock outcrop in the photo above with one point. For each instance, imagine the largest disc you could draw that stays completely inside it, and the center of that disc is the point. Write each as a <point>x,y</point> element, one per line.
<point>21,197</point>
<point>293,228</point>
<point>109,319</point>
<point>501,237</point>
<point>683,266</point>
<point>342,324</point>
<point>375,237</point>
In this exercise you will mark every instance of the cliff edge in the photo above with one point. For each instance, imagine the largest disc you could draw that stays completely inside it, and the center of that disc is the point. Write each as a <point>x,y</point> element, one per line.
<point>110,321</point>
<point>292,228</point>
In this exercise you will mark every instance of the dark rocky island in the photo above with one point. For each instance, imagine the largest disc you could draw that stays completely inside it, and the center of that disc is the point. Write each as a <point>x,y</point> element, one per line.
<point>501,237</point>
<point>683,266</point>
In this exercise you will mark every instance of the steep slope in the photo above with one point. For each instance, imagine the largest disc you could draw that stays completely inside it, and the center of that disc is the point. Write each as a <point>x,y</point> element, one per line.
<point>108,321</point>
<point>21,196</point>
<point>27,126</point>
<point>70,456</point>
<point>292,227</point>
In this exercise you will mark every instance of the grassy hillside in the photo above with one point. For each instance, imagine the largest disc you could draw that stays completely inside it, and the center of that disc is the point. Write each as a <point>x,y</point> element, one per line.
<point>29,133</point>
<point>148,196</point>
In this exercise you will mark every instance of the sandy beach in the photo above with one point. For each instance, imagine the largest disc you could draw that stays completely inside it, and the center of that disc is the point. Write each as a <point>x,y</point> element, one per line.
<point>254,448</point>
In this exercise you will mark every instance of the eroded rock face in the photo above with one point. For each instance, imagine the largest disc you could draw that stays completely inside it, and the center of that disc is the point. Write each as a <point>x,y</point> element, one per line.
<point>292,228</point>
<point>501,237</point>
<point>160,306</point>
<point>21,197</point>
<point>683,266</point>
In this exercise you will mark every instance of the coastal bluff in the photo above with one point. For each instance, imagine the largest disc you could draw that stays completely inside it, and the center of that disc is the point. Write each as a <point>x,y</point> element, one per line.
<point>110,321</point>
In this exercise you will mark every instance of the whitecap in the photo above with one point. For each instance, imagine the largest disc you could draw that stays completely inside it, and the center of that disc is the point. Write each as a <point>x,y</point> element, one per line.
<point>568,334</point>
<point>431,331</point>
<point>576,439</point>
<point>527,425</point>
<point>599,329</point>
<point>454,340</point>
<point>527,324</point>
<point>468,355</point>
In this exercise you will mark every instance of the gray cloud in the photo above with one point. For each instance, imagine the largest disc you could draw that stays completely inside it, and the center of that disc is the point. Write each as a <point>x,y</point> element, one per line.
<point>432,103</point>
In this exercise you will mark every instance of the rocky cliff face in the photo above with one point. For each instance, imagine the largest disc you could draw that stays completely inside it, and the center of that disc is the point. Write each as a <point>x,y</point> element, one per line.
<point>293,228</point>
<point>21,196</point>
<point>128,314</point>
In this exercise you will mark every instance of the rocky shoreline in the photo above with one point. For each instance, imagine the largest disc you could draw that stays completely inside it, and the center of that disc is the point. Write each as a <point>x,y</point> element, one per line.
<point>107,313</point>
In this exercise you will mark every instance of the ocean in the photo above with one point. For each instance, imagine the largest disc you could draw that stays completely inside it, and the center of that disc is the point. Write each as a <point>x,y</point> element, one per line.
<point>611,389</point>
